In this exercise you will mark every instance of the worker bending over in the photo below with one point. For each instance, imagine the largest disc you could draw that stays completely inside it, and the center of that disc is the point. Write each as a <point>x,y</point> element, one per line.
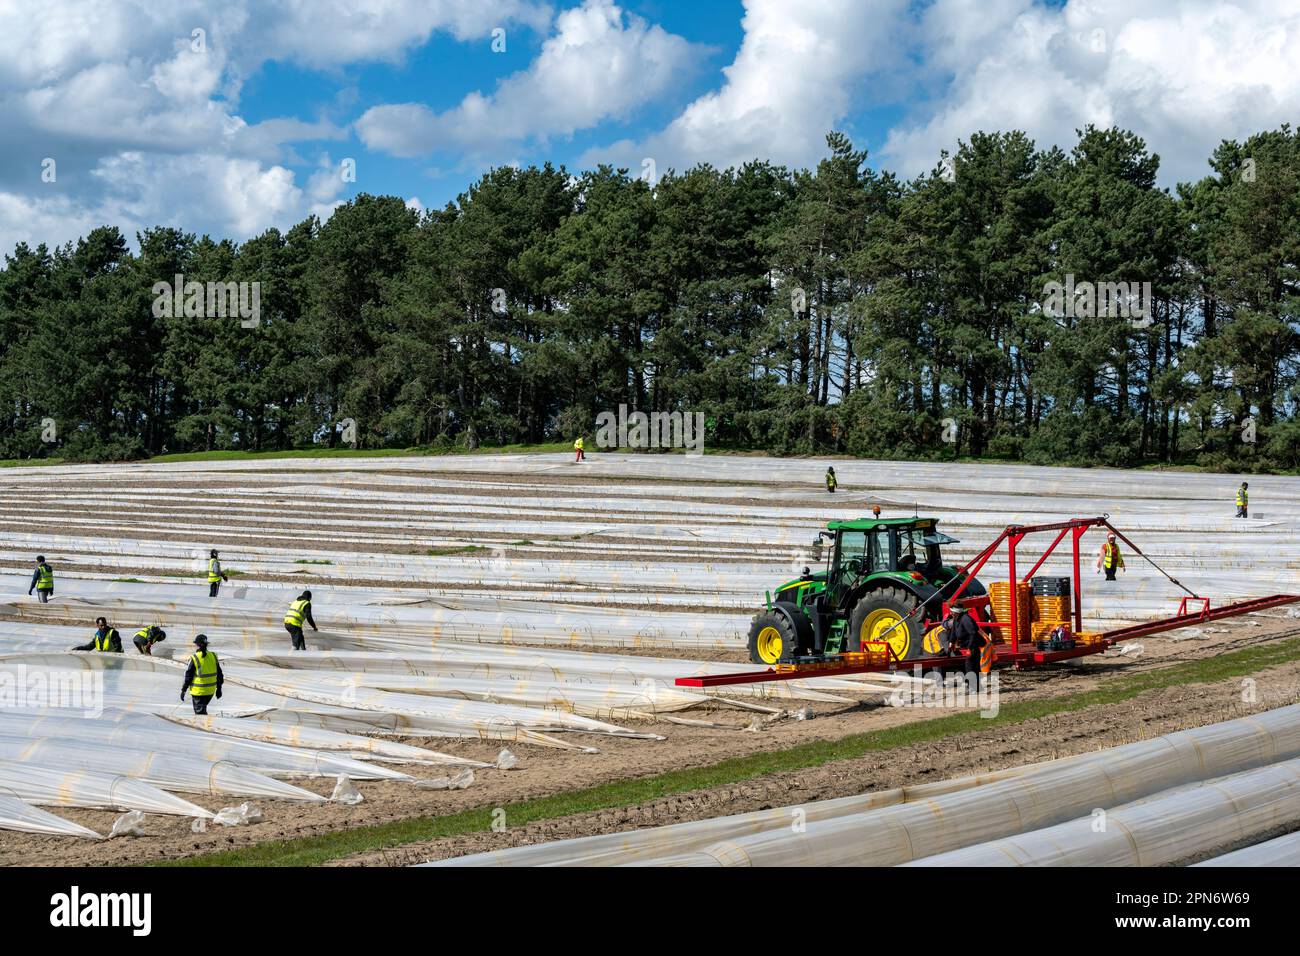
<point>1110,560</point>
<point>215,574</point>
<point>577,447</point>
<point>965,633</point>
<point>299,611</point>
<point>831,480</point>
<point>203,678</point>
<point>42,580</point>
<point>106,639</point>
<point>147,637</point>
<point>1243,500</point>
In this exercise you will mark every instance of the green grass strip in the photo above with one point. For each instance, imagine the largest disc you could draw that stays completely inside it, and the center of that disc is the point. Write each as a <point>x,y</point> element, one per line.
<point>310,851</point>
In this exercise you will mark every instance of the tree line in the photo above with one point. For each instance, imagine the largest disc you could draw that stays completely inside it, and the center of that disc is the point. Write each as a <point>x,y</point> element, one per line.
<point>813,311</point>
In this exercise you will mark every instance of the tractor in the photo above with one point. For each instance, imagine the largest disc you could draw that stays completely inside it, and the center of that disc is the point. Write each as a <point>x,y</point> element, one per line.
<point>878,570</point>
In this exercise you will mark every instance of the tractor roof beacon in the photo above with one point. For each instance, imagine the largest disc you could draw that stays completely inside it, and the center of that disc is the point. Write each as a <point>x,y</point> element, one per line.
<point>877,571</point>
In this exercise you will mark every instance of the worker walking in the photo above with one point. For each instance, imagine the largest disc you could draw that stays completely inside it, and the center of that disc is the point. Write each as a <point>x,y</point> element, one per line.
<point>203,678</point>
<point>1243,500</point>
<point>147,637</point>
<point>831,480</point>
<point>42,580</point>
<point>299,611</point>
<point>215,574</point>
<point>577,447</point>
<point>1110,560</point>
<point>965,633</point>
<point>106,639</point>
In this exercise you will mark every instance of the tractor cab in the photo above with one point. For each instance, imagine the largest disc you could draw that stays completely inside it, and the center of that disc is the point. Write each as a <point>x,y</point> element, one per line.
<point>877,571</point>
<point>902,546</point>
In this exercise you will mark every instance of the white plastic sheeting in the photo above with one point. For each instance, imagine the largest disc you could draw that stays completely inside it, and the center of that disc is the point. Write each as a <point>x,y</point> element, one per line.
<point>48,786</point>
<point>319,739</point>
<point>1282,851</point>
<point>1037,796</point>
<point>1173,826</point>
<point>634,846</point>
<point>117,729</point>
<point>17,815</point>
<point>168,771</point>
<point>437,570</point>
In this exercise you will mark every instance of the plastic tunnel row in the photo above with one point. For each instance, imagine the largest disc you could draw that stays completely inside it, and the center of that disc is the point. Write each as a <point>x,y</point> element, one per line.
<point>1164,800</point>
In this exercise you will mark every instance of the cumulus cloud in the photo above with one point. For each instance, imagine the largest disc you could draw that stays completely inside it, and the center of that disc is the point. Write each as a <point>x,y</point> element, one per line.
<point>198,192</point>
<point>139,105</point>
<point>599,64</point>
<point>792,81</point>
<point>1184,74</point>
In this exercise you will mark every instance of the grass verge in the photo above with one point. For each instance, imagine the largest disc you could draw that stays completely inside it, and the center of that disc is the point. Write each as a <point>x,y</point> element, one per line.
<point>309,851</point>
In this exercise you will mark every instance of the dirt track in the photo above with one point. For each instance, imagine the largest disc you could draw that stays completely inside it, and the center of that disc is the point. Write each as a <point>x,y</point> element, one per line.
<point>548,772</point>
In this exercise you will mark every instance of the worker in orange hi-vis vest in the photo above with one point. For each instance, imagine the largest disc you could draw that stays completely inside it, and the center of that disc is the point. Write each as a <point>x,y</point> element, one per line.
<point>1110,560</point>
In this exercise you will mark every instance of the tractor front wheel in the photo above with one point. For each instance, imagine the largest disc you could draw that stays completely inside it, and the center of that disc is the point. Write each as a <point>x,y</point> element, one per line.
<point>772,634</point>
<point>883,615</point>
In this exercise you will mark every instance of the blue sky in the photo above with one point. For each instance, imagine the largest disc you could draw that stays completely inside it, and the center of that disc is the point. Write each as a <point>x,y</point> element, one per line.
<point>440,72</point>
<point>230,117</point>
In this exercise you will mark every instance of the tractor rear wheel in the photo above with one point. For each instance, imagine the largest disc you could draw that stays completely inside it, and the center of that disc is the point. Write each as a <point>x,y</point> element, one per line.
<point>879,611</point>
<point>773,634</point>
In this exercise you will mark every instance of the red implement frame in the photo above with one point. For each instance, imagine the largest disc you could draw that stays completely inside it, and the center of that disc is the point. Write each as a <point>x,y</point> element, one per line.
<point>1010,652</point>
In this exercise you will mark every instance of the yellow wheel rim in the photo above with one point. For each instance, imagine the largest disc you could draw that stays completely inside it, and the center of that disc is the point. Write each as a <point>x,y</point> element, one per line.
<point>881,620</point>
<point>769,645</point>
<point>933,642</point>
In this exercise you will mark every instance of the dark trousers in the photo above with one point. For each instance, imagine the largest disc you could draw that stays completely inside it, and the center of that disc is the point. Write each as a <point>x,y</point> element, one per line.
<point>1241,511</point>
<point>44,596</point>
<point>213,588</point>
<point>1110,574</point>
<point>973,669</point>
<point>200,703</point>
<point>295,632</point>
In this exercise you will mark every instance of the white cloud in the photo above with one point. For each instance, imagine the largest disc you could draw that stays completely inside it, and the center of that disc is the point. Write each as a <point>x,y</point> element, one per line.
<point>792,80</point>
<point>200,193</point>
<point>599,64</point>
<point>1183,74</point>
<point>118,90</point>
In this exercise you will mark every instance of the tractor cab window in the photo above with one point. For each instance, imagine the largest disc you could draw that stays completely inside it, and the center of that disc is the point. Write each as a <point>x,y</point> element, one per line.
<point>862,553</point>
<point>878,551</point>
<point>917,550</point>
<point>853,554</point>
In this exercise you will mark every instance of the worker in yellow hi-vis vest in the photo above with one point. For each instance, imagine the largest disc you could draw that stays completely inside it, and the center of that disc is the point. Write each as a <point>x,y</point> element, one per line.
<point>577,449</point>
<point>1110,560</point>
<point>106,639</point>
<point>831,481</point>
<point>299,611</point>
<point>203,677</point>
<point>215,574</point>
<point>1243,500</point>
<point>42,580</point>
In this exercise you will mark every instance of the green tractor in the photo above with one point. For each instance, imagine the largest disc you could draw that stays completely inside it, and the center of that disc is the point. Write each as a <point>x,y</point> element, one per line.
<point>877,571</point>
